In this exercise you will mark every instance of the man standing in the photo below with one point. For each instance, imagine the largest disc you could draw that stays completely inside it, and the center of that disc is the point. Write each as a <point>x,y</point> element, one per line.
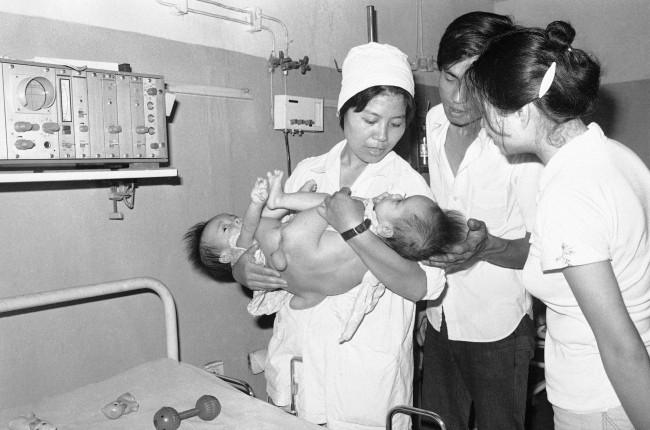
<point>479,340</point>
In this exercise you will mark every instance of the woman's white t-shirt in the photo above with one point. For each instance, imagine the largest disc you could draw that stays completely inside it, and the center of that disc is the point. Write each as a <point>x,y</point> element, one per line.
<point>594,205</point>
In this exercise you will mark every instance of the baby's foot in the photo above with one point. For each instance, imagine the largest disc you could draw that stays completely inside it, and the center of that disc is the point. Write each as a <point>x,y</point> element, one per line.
<point>275,189</point>
<point>309,186</point>
<point>260,191</point>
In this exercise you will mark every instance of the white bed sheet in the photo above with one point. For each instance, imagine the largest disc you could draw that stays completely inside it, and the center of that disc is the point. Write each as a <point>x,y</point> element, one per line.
<point>163,382</point>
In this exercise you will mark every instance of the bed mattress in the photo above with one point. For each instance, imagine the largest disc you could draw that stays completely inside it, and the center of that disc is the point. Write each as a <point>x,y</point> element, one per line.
<point>163,382</point>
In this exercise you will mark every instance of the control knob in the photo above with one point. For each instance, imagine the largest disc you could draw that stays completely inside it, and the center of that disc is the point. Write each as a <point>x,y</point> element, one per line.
<point>23,126</point>
<point>51,127</point>
<point>23,144</point>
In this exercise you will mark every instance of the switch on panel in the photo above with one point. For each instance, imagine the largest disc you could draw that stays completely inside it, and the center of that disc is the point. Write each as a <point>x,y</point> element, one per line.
<point>298,113</point>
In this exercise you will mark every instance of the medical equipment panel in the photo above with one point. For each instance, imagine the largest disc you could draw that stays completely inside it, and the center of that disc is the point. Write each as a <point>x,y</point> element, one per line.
<point>60,115</point>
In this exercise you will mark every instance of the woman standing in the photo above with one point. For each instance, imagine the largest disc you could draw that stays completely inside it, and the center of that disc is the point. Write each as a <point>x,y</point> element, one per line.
<point>352,385</point>
<point>589,260</point>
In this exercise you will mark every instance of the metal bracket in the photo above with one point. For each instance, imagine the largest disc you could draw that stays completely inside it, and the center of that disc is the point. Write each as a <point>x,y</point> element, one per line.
<point>121,191</point>
<point>255,18</point>
<point>286,63</point>
<point>294,384</point>
<point>181,7</point>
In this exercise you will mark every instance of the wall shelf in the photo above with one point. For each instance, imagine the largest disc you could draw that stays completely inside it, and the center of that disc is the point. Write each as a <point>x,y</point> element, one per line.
<point>85,175</point>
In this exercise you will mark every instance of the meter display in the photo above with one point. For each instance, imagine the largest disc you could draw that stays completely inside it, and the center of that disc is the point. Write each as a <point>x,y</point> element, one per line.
<point>64,90</point>
<point>36,94</point>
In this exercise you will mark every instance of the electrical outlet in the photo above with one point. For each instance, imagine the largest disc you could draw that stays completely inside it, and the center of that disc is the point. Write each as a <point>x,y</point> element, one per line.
<point>297,113</point>
<point>215,367</point>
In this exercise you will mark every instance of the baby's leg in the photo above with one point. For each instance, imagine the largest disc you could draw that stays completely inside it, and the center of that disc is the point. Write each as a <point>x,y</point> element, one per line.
<point>275,189</point>
<point>278,198</point>
<point>305,198</point>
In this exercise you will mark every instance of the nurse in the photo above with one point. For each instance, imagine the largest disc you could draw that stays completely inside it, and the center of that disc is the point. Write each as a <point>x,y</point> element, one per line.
<point>589,260</point>
<point>352,385</point>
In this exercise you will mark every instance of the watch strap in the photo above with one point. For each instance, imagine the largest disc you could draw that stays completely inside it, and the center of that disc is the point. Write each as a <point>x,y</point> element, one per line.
<point>349,234</point>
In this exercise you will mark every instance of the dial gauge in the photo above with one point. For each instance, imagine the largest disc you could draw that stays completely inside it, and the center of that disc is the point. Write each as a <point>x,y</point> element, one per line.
<point>35,93</point>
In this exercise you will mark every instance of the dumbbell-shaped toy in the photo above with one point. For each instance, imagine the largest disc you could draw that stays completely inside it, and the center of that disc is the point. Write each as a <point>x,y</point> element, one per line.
<point>207,408</point>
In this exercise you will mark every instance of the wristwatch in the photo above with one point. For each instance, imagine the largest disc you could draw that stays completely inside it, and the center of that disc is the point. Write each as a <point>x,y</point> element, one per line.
<point>349,234</point>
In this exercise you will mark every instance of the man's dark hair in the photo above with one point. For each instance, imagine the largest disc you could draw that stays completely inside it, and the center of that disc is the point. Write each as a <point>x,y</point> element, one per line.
<point>468,35</point>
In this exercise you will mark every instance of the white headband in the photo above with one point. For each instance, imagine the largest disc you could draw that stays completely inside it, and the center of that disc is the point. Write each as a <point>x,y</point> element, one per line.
<point>374,64</point>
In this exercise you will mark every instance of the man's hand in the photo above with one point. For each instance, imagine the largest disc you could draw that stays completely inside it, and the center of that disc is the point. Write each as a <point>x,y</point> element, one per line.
<point>256,277</point>
<point>466,253</point>
<point>341,211</point>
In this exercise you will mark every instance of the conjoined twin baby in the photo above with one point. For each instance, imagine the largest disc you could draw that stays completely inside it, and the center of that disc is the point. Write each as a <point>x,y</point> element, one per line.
<point>415,227</point>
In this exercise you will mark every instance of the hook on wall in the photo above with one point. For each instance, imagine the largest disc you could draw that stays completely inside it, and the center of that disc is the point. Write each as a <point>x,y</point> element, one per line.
<point>338,69</point>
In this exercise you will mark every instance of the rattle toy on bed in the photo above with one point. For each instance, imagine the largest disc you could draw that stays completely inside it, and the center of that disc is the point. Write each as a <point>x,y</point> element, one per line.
<point>123,405</point>
<point>30,423</point>
<point>207,408</point>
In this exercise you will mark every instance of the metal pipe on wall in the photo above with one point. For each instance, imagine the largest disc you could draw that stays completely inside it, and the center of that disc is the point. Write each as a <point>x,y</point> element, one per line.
<point>372,24</point>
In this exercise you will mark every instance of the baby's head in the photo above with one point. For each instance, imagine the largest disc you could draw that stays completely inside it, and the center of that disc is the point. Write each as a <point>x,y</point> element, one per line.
<point>210,245</point>
<point>416,227</point>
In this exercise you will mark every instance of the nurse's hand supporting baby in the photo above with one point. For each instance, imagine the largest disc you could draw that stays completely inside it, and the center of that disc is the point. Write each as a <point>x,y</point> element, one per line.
<point>254,276</point>
<point>341,211</point>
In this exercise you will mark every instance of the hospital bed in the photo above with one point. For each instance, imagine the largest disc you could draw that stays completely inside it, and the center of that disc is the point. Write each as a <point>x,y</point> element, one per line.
<point>162,382</point>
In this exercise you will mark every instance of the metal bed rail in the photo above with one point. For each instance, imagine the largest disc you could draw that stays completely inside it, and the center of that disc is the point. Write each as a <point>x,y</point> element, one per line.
<point>412,411</point>
<point>45,298</point>
<point>239,384</point>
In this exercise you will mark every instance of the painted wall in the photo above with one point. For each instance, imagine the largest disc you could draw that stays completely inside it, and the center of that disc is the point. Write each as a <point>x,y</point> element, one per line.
<point>324,30</point>
<point>615,31</point>
<point>623,113</point>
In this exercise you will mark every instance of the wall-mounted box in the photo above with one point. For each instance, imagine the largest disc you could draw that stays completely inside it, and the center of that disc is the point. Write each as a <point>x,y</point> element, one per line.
<point>298,113</point>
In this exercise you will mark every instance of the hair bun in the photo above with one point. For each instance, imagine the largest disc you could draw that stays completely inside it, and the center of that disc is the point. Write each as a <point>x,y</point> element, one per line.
<point>560,34</point>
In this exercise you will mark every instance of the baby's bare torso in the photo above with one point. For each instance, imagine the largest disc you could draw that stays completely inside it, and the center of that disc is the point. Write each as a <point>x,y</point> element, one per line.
<point>319,262</point>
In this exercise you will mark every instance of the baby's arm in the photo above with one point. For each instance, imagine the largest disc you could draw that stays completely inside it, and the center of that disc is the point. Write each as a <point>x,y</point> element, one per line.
<point>251,221</point>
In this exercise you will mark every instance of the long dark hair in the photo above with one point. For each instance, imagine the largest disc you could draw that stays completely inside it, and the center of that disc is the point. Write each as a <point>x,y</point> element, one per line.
<point>508,74</point>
